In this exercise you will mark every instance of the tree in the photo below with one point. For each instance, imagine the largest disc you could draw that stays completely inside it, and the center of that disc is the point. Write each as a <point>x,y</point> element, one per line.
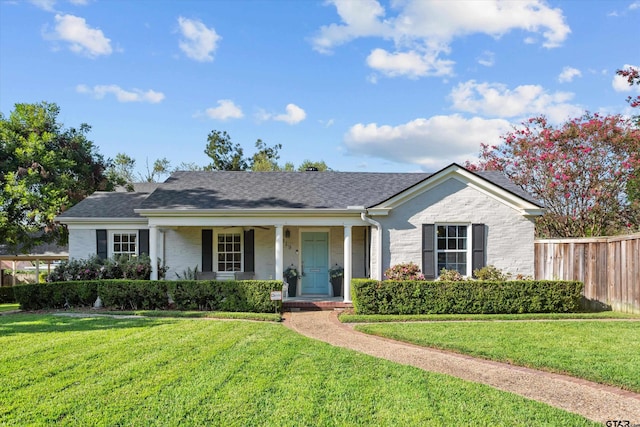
<point>578,170</point>
<point>632,75</point>
<point>321,166</point>
<point>161,167</point>
<point>224,154</point>
<point>44,169</point>
<point>266,158</point>
<point>121,171</point>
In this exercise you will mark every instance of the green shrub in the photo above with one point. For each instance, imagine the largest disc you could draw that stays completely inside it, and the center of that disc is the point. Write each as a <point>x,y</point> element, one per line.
<point>38,296</point>
<point>491,272</point>
<point>6,295</point>
<point>95,268</point>
<point>247,295</point>
<point>405,271</point>
<point>450,276</point>
<point>465,297</point>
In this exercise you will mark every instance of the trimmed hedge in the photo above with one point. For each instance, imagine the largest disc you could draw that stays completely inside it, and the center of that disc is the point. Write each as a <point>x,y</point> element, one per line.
<point>38,296</point>
<point>466,297</point>
<point>245,295</point>
<point>6,295</point>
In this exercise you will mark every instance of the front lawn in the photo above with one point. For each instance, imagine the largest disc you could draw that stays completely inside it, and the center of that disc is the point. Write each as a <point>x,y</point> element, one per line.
<point>106,371</point>
<point>9,307</point>
<point>603,351</point>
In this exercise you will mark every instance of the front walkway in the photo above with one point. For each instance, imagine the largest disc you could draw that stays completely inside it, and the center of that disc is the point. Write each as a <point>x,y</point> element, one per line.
<point>591,400</point>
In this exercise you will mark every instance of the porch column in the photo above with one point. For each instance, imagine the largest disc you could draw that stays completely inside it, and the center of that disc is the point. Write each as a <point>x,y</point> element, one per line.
<point>279,253</point>
<point>153,251</point>
<point>347,263</point>
<point>37,271</point>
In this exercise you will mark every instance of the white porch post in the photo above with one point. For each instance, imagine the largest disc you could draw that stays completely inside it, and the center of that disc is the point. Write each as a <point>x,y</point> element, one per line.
<point>347,263</point>
<point>279,253</point>
<point>153,251</point>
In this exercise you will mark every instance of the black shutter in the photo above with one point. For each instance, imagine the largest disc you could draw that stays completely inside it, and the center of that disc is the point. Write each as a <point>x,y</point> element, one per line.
<point>249,251</point>
<point>207,250</point>
<point>478,250</point>
<point>428,252</point>
<point>101,244</point>
<point>143,242</point>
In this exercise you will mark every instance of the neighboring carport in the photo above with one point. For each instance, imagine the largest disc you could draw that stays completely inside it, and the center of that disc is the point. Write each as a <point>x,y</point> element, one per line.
<point>45,253</point>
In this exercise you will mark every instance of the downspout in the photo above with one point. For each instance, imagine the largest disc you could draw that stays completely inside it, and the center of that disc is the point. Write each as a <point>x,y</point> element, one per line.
<point>377,274</point>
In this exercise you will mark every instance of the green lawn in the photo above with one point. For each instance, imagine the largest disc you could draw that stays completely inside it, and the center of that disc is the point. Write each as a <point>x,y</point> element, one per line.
<point>9,307</point>
<point>139,372</point>
<point>603,351</point>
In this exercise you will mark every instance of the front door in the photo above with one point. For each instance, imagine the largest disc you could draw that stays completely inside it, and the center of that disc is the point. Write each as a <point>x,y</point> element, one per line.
<point>315,263</point>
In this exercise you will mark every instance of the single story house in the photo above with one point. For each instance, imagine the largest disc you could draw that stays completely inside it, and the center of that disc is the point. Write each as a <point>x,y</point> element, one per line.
<point>256,224</point>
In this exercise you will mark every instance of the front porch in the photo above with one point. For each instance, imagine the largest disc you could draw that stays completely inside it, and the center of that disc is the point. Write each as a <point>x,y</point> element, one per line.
<point>255,249</point>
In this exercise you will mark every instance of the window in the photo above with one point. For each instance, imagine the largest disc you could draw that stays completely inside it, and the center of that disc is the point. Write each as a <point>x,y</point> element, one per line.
<point>452,247</point>
<point>229,251</point>
<point>124,243</point>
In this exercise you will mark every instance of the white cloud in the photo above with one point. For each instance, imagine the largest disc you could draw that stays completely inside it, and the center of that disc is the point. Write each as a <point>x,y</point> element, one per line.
<point>47,5</point>
<point>621,84</point>
<point>134,95</point>
<point>198,42</point>
<point>292,116</point>
<point>487,59</point>
<point>568,74</point>
<point>422,30</point>
<point>411,64</point>
<point>497,100</point>
<point>82,39</point>
<point>431,143</point>
<point>635,5</point>
<point>225,110</point>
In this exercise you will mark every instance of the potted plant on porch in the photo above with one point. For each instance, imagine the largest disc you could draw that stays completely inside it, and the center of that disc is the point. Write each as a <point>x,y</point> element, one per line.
<point>335,275</point>
<point>291,277</point>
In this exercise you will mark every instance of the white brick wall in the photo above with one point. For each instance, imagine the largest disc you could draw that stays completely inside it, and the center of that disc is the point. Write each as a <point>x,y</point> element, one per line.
<point>82,243</point>
<point>510,235</point>
<point>183,248</point>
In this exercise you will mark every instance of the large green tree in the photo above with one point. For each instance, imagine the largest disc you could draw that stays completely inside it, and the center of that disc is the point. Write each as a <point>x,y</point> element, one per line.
<point>224,154</point>
<point>44,169</point>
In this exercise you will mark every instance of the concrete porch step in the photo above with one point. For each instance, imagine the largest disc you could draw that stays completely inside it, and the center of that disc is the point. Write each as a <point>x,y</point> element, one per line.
<point>314,304</point>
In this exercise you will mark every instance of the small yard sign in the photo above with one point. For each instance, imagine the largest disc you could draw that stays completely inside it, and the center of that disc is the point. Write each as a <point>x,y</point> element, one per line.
<point>276,295</point>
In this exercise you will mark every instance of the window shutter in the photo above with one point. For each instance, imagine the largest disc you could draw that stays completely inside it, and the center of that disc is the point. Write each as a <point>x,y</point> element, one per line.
<point>478,250</point>
<point>101,244</point>
<point>249,251</point>
<point>143,242</point>
<point>207,250</point>
<point>428,254</point>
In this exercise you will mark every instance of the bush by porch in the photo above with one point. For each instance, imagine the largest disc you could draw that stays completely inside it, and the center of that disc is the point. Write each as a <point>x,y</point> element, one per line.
<point>231,295</point>
<point>488,297</point>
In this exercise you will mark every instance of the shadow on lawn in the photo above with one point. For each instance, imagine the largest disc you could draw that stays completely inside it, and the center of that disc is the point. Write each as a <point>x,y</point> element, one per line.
<point>38,323</point>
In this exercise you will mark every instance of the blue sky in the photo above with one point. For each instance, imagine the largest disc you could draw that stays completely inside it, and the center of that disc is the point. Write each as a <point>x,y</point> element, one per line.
<point>365,85</point>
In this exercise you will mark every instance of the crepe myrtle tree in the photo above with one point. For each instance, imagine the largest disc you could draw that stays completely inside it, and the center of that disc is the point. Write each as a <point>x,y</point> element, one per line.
<point>579,170</point>
<point>44,169</point>
<point>632,74</point>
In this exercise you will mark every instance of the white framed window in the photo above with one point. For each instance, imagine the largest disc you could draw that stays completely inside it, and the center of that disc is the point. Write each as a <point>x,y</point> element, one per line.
<point>124,243</point>
<point>452,247</point>
<point>229,253</point>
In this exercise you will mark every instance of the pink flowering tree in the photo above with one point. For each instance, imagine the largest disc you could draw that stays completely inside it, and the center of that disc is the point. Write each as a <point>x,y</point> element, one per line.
<point>578,170</point>
<point>632,75</point>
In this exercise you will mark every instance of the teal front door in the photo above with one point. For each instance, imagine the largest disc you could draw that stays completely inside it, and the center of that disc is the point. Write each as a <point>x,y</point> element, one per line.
<point>315,263</point>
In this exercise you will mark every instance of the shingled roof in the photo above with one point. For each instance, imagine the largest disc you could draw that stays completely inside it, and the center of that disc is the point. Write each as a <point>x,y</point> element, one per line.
<point>105,204</point>
<point>264,190</point>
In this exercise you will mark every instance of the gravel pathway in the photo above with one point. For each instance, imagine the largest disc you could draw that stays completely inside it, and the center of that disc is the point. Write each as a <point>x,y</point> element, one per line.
<point>591,400</point>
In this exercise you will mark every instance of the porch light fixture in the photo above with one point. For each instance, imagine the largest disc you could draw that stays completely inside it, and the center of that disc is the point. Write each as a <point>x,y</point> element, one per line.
<point>287,233</point>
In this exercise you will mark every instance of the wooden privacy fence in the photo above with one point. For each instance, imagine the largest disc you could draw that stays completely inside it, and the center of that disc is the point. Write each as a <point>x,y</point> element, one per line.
<point>608,266</point>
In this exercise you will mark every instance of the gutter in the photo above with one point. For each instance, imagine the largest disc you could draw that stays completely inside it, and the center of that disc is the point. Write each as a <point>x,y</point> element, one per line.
<point>378,226</point>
